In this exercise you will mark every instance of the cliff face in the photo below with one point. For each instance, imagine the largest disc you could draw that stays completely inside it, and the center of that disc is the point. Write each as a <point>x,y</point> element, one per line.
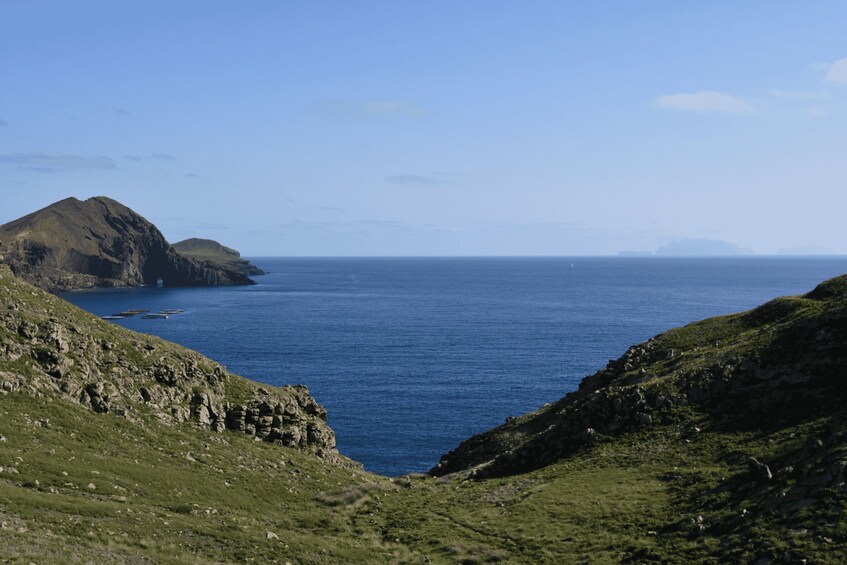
<point>76,244</point>
<point>221,256</point>
<point>48,346</point>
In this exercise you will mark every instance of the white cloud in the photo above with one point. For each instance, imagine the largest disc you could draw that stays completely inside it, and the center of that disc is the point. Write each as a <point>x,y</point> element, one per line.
<point>45,163</point>
<point>799,95</point>
<point>816,112</point>
<point>711,101</point>
<point>837,72</point>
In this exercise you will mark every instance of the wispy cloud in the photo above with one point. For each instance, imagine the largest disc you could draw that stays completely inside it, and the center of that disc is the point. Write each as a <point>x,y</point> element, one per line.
<point>413,179</point>
<point>48,163</point>
<point>791,95</point>
<point>706,101</point>
<point>837,72</point>
<point>154,156</point>
<point>339,109</point>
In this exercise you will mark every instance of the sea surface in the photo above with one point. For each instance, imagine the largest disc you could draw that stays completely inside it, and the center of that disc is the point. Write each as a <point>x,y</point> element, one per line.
<point>412,355</point>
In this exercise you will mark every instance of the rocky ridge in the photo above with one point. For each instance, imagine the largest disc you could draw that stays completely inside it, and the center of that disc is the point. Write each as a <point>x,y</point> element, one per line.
<point>99,242</point>
<point>49,347</point>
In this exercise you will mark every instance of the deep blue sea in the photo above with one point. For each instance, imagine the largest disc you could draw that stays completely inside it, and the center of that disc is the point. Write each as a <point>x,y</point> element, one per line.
<point>411,356</point>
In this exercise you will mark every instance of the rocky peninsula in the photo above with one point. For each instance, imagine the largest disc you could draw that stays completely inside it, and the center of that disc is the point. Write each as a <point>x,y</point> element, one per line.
<point>221,256</point>
<point>99,242</point>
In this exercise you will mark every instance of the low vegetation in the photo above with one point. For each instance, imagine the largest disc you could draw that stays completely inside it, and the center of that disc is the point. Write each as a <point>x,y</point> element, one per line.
<point>720,442</point>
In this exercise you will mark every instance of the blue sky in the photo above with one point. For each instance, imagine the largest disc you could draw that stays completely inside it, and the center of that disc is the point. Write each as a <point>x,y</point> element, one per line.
<point>434,128</point>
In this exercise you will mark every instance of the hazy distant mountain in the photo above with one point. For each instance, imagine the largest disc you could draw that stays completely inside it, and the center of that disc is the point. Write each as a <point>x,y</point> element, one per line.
<point>635,253</point>
<point>692,247</point>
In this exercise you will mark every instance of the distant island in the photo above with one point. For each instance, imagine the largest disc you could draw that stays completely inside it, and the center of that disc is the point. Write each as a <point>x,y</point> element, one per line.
<point>99,242</point>
<point>692,247</point>
<point>216,254</point>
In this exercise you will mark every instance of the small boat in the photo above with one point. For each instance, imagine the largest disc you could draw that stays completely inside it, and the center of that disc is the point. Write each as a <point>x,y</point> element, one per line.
<point>155,317</point>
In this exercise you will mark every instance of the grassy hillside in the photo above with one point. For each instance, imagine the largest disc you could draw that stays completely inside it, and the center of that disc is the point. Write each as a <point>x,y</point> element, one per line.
<point>741,460</point>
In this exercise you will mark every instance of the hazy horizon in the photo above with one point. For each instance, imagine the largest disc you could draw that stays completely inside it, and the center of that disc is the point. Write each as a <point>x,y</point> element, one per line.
<point>444,129</point>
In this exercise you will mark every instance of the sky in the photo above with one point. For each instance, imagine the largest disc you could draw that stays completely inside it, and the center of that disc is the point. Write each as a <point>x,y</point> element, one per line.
<point>335,128</point>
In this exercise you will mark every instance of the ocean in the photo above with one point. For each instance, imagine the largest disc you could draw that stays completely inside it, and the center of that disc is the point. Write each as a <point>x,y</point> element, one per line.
<point>410,356</point>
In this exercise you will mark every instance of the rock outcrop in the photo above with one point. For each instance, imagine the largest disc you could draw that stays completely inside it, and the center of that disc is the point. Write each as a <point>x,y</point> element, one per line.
<point>220,256</point>
<point>49,347</point>
<point>99,242</point>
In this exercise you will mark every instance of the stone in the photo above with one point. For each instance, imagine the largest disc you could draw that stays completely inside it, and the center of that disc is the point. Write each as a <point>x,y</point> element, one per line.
<point>759,469</point>
<point>643,419</point>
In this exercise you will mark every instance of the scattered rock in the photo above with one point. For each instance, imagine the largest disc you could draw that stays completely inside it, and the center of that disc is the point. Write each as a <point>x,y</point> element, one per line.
<point>759,470</point>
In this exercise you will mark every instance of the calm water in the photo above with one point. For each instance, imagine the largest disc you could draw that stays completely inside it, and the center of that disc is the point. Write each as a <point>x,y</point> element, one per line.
<point>410,356</point>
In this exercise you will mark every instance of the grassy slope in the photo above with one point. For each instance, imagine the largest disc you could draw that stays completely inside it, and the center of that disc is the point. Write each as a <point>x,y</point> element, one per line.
<point>179,495</point>
<point>650,494</point>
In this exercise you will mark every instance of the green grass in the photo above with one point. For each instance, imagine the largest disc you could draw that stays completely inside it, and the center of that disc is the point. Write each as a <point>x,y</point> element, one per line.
<point>182,495</point>
<point>82,487</point>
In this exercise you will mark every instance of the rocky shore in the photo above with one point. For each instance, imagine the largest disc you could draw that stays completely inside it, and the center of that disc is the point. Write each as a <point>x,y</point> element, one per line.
<point>56,348</point>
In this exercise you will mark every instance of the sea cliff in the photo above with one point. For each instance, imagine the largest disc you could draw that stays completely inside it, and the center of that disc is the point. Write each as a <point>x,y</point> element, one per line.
<point>99,242</point>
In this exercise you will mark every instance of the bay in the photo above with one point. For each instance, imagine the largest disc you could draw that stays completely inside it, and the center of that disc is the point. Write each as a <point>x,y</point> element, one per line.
<point>412,355</point>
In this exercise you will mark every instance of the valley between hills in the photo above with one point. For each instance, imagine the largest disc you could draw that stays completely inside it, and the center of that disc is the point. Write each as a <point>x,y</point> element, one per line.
<point>719,442</point>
